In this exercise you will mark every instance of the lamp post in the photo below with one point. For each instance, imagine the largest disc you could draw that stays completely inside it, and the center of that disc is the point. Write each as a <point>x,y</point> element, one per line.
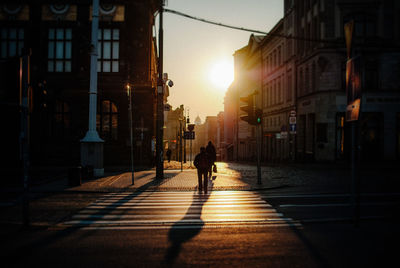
<point>181,124</point>
<point>92,144</point>
<point>129,93</point>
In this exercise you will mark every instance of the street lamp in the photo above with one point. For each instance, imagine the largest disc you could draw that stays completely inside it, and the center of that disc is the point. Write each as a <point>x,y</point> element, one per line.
<point>129,94</point>
<point>181,122</point>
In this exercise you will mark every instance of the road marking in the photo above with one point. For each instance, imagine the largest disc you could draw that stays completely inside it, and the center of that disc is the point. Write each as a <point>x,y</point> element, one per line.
<point>297,225</point>
<point>109,217</point>
<point>117,206</point>
<point>181,221</point>
<point>327,195</point>
<point>177,209</point>
<point>338,204</point>
<point>146,202</point>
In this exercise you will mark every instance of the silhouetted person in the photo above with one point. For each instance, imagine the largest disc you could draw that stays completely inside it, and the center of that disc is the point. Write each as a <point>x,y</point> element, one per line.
<point>202,163</point>
<point>210,150</point>
<point>169,155</point>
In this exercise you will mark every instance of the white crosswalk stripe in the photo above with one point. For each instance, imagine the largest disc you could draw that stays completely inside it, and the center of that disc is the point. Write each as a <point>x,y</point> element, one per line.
<point>177,210</point>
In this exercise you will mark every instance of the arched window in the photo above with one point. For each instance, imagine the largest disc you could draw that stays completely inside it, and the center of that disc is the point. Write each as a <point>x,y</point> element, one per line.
<point>107,120</point>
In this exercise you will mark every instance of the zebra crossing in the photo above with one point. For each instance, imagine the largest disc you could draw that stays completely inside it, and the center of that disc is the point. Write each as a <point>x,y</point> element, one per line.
<point>157,210</point>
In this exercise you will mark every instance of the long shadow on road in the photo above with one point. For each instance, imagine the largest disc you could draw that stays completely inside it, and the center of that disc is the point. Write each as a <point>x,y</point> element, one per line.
<point>178,235</point>
<point>46,240</point>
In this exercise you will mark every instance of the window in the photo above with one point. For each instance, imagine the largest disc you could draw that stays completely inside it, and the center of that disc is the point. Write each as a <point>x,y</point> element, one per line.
<point>108,50</point>
<point>107,120</point>
<point>59,50</point>
<point>61,119</point>
<point>301,80</point>
<point>364,25</point>
<point>279,56</point>
<point>313,77</point>
<point>12,42</point>
<point>279,90</point>
<point>289,88</point>
<point>289,47</point>
<point>307,81</point>
<point>274,93</point>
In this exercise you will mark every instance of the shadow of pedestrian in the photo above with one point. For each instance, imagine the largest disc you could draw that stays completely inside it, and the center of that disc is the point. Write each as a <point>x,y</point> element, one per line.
<point>188,227</point>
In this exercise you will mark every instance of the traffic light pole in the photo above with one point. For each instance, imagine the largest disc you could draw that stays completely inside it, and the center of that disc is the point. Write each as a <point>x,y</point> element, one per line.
<point>258,140</point>
<point>24,131</point>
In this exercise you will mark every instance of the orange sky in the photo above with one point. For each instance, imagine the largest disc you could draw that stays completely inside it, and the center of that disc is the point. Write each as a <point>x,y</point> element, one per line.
<point>192,48</point>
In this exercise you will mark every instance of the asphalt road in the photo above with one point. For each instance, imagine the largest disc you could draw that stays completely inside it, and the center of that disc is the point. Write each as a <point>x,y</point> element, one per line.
<point>222,229</point>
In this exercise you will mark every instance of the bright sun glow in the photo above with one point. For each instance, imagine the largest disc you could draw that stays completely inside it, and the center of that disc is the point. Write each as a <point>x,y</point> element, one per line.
<point>221,74</point>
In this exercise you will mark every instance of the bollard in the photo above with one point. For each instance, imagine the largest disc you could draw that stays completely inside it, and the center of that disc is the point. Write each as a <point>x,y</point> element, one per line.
<point>75,176</point>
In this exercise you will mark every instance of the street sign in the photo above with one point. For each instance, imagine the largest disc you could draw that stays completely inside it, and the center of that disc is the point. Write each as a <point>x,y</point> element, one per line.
<point>292,120</point>
<point>284,135</point>
<point>189,135</point>
<point>292,113</point>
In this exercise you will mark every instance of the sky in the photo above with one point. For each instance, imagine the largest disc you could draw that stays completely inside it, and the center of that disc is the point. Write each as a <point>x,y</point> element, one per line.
<point>193,50</point>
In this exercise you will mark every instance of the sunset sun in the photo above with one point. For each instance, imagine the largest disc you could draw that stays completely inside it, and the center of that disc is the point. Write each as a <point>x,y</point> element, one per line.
<point>221,74</point>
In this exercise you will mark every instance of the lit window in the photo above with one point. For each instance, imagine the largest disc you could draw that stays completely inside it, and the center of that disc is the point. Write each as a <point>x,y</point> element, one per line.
<point>108,50</point>
<point>11,42</point>
<point>59,50</point>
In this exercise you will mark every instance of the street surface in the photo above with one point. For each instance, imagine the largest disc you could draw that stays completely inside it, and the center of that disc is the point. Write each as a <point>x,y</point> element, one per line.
<point>239,223</point>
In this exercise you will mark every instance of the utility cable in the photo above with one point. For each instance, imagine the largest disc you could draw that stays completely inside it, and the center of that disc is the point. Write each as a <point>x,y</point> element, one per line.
<point>249,30</point>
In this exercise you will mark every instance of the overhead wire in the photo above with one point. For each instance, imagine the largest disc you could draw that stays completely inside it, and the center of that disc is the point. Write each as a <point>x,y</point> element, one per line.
<point>249,30</point>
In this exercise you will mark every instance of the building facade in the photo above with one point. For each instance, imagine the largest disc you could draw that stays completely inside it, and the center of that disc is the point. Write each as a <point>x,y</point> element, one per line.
<point>58,36</point>
<point>303,61</point>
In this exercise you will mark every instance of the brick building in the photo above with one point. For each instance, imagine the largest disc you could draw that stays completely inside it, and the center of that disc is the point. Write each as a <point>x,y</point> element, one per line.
<point>58,35</point>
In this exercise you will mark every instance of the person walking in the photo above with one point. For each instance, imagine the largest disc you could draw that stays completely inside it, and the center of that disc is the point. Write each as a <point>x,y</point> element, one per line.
<point>202,163</point>
<point>169,155</point>
<point>212,153</point>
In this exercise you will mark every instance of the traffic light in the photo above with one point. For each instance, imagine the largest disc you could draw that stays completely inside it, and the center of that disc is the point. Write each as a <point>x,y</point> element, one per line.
<point>258,116</point>
<point>248,108</point>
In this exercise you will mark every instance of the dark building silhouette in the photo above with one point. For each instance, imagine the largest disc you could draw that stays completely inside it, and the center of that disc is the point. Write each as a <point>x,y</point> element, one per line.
<point>304,75</point>
<point>58,35</point>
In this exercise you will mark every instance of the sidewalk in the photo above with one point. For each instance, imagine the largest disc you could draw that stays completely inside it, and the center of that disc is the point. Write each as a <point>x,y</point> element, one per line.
<point>55,200</point>
<point>233,176</point>
<point>174,180</point>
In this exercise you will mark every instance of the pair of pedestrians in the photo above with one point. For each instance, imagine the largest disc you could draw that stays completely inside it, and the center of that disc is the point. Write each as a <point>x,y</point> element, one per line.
<point>204,162</point>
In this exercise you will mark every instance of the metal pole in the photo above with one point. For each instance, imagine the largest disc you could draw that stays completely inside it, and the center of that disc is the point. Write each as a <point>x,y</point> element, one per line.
<point>190,153</point>
<point>160,101</point>
<point>184,142</point>
<point>131,130</point>
<point>24,132</point>
<point>180,144</point>
<point>258,144</point>
<point>354,175</point>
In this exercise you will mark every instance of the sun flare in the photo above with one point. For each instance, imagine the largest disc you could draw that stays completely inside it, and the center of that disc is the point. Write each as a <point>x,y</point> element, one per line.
<point>221,74</point>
